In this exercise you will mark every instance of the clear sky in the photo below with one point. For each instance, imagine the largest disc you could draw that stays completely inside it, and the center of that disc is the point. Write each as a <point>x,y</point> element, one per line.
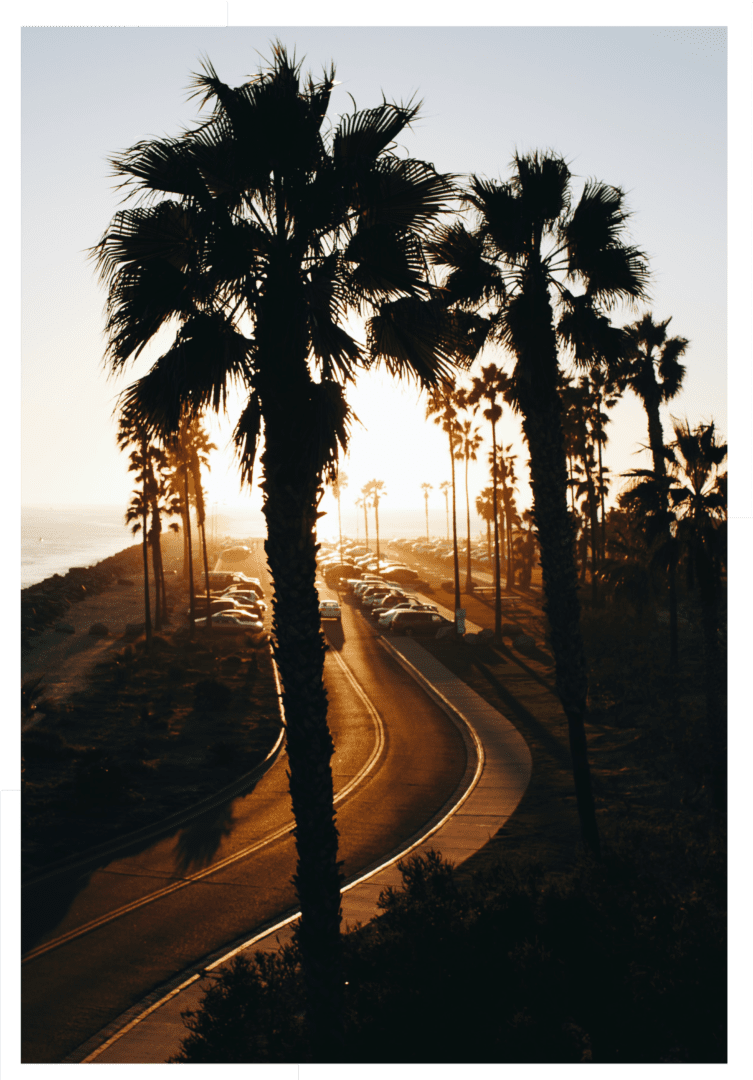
<point>641,107</point>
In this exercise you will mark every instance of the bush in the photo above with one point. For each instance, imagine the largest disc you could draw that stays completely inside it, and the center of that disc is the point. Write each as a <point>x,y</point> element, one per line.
<point>606,964</point>
<point>212,694</point>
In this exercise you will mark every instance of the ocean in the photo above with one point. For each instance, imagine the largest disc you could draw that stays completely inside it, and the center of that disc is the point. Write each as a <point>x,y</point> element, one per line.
<point>55,538</point>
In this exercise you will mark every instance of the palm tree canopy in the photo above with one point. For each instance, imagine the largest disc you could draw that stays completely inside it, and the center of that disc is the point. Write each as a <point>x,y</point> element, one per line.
<point>532,246</point>
<point>258,230</point>
<point>652,367</point>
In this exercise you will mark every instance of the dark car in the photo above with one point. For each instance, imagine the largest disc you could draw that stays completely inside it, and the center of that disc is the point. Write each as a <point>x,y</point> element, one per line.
<point>411,621</point>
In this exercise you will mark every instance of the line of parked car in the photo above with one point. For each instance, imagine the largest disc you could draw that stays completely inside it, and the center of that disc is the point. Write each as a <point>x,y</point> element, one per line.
<point>236,606</point>
<point>394,610</point>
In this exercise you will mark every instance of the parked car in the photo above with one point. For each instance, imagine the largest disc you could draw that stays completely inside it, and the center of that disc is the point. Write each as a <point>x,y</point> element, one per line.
<point>231,622</point>
<point>420,623</point>
<point>329,609</point>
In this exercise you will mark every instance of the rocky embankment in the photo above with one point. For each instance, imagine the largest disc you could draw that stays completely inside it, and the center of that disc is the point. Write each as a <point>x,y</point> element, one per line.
<point>45,604</point>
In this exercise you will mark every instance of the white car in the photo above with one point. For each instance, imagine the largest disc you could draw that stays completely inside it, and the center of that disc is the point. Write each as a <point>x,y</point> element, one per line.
<point>329,609</point>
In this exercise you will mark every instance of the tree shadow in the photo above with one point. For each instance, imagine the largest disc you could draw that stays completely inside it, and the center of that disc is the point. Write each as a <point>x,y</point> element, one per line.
<point>334,633</point>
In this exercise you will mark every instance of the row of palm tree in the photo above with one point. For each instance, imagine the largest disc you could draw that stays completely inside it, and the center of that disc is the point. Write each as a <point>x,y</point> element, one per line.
<point>169,482</point>
<point>258,231</point>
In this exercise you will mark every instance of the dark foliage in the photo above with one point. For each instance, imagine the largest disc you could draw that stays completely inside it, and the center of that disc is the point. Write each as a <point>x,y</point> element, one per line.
<point>613,962</point>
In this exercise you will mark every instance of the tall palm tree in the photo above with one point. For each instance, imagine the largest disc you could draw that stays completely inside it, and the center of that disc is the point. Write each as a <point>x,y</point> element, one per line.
<point>339,485</point>
<point>442,406</point>
<point>492,385</point>
<point>132,433</point>
<point>261,228</point>
<point>654,373</point>
<point>530,244</point>
<point>445,487</point>
<point>699,502</point>
<point>364,502</point>
<point>469,440</point>
<point>375,491</point>
<point>426,488</point>
<point>485,510</point>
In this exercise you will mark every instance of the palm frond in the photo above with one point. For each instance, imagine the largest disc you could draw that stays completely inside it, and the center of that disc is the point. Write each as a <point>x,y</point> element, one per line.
<point>192,376</point>
<point>364,135</point>
<point>246,438</point>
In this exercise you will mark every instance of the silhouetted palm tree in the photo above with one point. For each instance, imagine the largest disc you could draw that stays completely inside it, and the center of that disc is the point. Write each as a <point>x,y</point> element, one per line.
<point>469,440</point>
<point>339,485</point>
<point>426,488</point>
<point>137,514</point>
<point>529,242</point>
<point>655,375</point>
<point>493,385</point>
<point>485,510</point>
<point>375,491</point>
<point>445,487</point>
<point>273,222</point>
<point>442,406</point>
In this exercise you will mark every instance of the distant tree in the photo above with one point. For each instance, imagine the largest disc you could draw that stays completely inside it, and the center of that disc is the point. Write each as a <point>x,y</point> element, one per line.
<point>375,491</point>
<point>442,406</point>
<point>426,488</point>
<point>137,514</point>
<point>468,442</point>
<point>485,510</point>
<point>339,485</point>
<point>446,487</point>
<point>364,502</point>
<point>491,387</point>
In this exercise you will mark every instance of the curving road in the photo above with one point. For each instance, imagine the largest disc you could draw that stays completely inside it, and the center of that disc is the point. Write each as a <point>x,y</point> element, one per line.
<point>98,942</point>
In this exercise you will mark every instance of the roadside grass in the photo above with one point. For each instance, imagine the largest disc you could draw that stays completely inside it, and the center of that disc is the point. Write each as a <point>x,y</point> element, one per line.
<point>152,734</point>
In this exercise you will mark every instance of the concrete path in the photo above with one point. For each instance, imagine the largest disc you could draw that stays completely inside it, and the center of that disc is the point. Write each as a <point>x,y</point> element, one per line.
<point>497,774</point>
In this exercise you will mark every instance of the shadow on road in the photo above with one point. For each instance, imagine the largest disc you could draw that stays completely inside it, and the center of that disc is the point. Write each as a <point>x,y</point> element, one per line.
<point>334,633</point>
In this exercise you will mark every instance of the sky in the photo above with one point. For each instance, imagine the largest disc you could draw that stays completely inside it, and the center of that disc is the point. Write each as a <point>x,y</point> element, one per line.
<point>643,107</point>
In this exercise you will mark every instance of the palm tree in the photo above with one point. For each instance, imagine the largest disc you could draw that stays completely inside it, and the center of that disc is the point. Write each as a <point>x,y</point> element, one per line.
<point>530,241</point>
<point>339,485</point>
<point>138,509</point>
<point>445,487</point>
<point>698,497</point>
<point>364,502</point>
<point>485,510</point>
<point>426,488</point>
<point>492,385</point>
<point>469,440</point>
<point>442,406</point>
<point>655,375</point>
<point>375,491</point>
<point>359,504</point>
<point>260,230</point>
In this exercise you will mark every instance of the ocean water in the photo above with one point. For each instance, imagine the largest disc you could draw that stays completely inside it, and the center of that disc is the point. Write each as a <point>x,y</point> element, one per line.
<point>55,538</point>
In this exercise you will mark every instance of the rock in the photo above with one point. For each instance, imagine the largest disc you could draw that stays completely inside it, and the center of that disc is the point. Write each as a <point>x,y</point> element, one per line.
<point>65,628</point>
<point>98,629</point>
<point>523,641</point>
<point>485,635</point>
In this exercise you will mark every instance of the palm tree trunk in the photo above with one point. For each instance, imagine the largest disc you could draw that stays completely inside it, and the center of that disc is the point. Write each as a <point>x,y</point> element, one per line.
<point>468,578</point>
<point>202,531</point>
<point>155,571</point>
<point>456,565</point>
<point>542,426</point>
<point>191,591</point>
<point>497,569</point>
<point>290,507</point>
<point>376,522</point>
<point>366,522</point>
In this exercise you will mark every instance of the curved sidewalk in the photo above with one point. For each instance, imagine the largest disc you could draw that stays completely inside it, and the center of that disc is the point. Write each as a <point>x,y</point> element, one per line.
<point>499,768</point>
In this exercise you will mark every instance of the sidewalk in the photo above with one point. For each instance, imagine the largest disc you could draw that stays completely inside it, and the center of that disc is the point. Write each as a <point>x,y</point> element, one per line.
<point>497,774</point>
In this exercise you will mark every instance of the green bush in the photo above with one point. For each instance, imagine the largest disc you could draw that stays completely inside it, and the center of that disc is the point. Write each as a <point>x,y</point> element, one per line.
<point>606,964</point>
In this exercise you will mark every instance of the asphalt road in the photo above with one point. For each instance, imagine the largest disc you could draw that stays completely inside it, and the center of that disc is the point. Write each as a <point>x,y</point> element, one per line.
<point>98,942</point>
